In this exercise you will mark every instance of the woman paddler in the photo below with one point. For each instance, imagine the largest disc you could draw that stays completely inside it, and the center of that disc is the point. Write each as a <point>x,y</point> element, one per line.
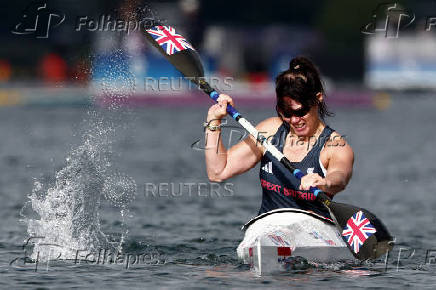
<point>299,131</point>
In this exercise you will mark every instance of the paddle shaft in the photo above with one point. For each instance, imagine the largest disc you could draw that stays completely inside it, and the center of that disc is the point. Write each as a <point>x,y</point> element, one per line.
<point>213,94</point>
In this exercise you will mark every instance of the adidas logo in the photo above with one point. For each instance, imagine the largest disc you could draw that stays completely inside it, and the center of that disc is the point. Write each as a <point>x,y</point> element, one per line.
<point>310,170</point>
<point>268,167</point>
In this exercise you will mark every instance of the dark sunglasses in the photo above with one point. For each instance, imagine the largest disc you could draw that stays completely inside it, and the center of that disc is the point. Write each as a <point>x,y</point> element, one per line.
<point>296,113</point>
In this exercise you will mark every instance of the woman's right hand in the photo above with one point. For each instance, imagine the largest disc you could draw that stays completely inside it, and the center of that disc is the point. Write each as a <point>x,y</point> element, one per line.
<point>219,110</point>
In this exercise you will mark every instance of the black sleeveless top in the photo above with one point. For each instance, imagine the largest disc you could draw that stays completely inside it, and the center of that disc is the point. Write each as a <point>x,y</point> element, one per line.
<point>280,187</point>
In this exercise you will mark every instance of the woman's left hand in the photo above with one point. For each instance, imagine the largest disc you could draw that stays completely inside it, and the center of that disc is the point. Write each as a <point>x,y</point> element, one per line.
<point>312,180</point>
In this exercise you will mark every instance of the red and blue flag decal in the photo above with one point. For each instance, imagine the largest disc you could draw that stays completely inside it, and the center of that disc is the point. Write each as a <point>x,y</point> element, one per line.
<point>168,39</point>
<point>357,231</point>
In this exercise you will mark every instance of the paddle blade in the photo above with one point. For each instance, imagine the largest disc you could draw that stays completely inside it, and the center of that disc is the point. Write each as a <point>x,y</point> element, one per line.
<point>177,50</point>
<point>365,235</point>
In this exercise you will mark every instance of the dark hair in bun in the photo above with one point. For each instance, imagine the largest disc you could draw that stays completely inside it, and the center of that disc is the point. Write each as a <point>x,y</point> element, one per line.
<point>302,82</point>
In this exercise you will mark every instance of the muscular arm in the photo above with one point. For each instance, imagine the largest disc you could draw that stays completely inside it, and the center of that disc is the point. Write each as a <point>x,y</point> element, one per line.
<point>340,167</point>
<point>222,164</point>
<point>340,159</point>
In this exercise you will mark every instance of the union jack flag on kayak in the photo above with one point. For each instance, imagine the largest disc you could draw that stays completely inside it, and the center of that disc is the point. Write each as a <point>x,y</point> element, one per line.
<point>168,39</point>
<point>358,229</point>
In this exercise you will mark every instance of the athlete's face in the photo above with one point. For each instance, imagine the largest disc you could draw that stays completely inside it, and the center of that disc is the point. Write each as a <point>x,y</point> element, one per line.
<point>303,120</point>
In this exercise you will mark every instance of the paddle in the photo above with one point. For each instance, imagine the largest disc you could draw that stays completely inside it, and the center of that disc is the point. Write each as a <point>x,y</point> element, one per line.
<point>364,234</point>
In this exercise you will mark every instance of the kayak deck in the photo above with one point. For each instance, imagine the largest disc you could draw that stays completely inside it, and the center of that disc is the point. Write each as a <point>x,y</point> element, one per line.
<point>270,241</point>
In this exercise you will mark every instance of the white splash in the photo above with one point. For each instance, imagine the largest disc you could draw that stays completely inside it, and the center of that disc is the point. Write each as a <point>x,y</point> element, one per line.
<point>65,222</point>
<point>69,211</point>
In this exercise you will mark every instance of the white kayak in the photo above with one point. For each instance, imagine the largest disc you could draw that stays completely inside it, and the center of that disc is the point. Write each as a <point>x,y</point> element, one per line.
<point>273,238</point>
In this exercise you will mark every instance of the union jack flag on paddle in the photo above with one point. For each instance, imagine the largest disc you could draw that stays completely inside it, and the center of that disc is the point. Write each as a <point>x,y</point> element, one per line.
<point>357,230</point>
<point>168,39</point>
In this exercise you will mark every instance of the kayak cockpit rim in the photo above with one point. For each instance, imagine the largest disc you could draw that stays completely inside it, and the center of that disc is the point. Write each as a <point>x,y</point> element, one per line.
<point>280,210</point>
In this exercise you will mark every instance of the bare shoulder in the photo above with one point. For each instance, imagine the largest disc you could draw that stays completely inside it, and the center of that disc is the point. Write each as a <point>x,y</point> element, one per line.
<point>338,146</point>
<point>268,127</point>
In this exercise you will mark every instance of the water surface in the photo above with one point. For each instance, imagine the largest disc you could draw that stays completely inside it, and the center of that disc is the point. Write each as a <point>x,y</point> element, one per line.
<point>187,235</point>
